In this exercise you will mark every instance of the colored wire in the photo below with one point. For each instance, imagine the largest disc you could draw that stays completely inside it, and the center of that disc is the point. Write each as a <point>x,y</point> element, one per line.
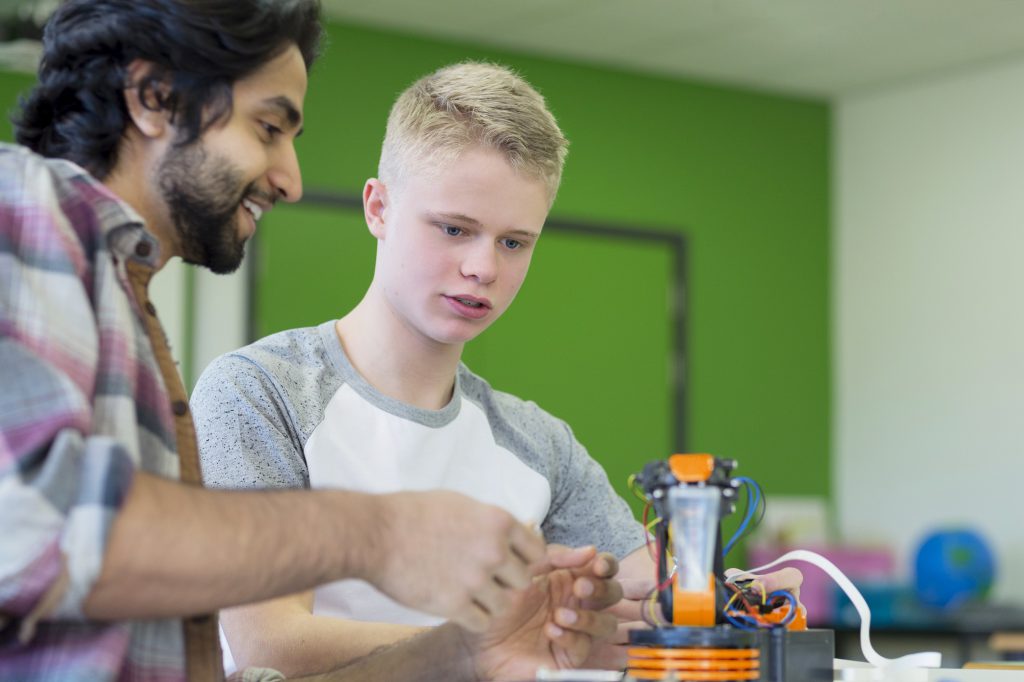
<point>655,621</point>
<point>792,606</point>
<point>635,489</point>
<point>754,503</point>
<point>742,622</point>
<point>754,619</point>
<point>735,612</point>
<point>754,500</point>
<point>761,591</point>
<point>738,594</point>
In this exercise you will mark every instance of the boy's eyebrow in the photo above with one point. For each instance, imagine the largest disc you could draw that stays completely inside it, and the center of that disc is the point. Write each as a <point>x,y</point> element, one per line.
<point>473,222</point>
<point>286,108</point>
<point>457,218</point>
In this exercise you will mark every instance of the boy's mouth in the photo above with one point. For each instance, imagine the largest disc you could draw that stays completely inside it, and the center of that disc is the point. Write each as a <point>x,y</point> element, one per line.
<point>472,301</point>
<point>469,306</point>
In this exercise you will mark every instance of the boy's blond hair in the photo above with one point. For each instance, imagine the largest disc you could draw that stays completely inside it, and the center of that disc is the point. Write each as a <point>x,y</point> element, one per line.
<point>439,116</point>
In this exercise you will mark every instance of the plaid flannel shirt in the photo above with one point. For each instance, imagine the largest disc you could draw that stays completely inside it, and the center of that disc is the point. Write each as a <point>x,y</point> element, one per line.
<point>84,403</point>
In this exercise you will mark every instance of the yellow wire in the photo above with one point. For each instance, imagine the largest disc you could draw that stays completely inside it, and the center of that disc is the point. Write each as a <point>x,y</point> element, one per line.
<point>764,594</point>
<point>631,483</point>
<point>655,618</point>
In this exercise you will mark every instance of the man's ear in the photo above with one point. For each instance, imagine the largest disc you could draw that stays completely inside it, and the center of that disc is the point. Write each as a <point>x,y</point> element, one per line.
<point>375,205</point>
<point>147,104</point>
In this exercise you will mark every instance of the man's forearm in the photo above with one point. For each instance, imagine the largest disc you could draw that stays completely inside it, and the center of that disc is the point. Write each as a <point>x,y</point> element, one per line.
<point>441,653</point>
<point>178,550</point>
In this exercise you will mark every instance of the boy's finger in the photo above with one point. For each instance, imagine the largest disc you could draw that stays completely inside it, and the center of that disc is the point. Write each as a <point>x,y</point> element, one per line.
<point>636,588</point>
<point>605,565</point>
<point>560,556</point>
<point>597,594</point>
<point>568,647</point>
<point>593,623</point>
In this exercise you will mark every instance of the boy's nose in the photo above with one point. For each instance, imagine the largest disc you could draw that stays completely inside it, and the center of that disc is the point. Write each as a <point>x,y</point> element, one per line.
<point>481,264</point>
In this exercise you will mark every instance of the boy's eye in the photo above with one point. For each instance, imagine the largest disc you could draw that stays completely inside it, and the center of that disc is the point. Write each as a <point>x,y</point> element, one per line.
<point>270,128</point>
<point>512,244</point>
<point>451,230</point>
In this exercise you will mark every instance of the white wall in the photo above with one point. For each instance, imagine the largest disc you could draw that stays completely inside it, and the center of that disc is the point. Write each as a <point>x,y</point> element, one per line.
<point>219,315</point>
<point>167,292</point>
<point>218,310</point>
<point>929,312</point>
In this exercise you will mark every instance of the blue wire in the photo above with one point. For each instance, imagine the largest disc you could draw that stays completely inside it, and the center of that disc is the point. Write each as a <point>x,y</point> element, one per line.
<point>792,605</point>
<point>753,500</point>
<point>747,623</point>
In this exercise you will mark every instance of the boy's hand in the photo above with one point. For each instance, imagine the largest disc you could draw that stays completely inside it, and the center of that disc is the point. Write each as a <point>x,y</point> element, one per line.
<point>788,579</point>
<point>610,653</point>
<point>449,555</point>
<point>556,622</point>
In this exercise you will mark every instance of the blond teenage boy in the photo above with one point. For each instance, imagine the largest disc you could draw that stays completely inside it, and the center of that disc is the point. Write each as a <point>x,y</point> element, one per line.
<point>380,401</point>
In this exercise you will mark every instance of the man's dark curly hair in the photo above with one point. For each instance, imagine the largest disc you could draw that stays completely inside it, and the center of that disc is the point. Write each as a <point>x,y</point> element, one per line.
<point>199,48</point>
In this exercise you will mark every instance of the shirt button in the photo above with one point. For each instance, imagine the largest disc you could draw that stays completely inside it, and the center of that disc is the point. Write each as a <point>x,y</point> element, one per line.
<point>143,249</point>
<point>180,407</point>
<point>150,308</point>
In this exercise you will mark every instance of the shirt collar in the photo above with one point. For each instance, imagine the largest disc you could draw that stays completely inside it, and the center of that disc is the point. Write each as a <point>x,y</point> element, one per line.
<point>123,227</point>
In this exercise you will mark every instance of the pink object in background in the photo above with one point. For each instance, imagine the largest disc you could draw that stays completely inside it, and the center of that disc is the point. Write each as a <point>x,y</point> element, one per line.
<point>873,564</point>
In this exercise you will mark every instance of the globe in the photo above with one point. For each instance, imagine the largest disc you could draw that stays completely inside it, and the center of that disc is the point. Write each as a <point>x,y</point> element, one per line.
<point>952,567</point>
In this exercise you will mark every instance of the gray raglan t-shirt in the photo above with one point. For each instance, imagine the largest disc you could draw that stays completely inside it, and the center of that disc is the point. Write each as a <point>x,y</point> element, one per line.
<point>290,411</point>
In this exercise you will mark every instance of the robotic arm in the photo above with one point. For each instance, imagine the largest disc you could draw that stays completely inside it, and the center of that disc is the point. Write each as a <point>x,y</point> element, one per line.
<point>714,629</point>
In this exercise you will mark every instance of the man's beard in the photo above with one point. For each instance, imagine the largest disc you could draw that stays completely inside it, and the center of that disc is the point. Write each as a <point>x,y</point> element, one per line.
<point>203,193</point>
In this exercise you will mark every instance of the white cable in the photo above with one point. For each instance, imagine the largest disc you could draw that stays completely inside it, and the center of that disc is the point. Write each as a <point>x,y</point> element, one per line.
<point>926,659</point>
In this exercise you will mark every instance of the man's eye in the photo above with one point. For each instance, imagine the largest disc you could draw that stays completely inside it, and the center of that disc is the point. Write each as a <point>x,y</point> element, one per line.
<point>271,129</point>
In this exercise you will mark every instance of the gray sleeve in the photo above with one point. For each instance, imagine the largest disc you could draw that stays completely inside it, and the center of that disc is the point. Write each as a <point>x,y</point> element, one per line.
<point>585,509</point>
<point>245,428</point>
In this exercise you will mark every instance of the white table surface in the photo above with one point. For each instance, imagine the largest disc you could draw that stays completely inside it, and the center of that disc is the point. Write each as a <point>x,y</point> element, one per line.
<point>852,671</point>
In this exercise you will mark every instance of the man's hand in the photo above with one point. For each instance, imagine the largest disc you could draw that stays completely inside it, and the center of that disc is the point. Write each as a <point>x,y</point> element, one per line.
<point>555,622</point>
<point>449,555</point>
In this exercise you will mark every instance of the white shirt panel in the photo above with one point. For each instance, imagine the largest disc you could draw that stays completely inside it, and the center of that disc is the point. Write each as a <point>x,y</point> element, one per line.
<point>361,447</point>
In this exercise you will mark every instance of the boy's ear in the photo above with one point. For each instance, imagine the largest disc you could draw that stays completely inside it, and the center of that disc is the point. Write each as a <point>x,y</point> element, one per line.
<point>147,104</point>
<point>375,204</point>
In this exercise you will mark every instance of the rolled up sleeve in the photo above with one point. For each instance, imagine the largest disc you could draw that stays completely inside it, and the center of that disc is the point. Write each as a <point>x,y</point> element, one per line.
<point>60,488</point>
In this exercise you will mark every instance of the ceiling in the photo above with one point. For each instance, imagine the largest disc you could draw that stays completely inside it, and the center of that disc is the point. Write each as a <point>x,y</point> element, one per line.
<point>816,48</point>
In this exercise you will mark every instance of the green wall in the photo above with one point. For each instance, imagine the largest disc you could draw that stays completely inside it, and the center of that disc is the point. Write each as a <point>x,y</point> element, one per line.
<point>743,174</point>
<point>11,85</point>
